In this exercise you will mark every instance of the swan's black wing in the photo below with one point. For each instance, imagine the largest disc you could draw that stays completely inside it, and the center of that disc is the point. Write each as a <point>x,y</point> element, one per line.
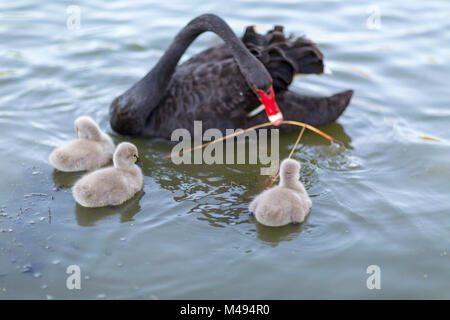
<point>283,57</point>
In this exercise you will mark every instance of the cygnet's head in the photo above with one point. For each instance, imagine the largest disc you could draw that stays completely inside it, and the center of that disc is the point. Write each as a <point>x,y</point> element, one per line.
<point>126,156</point>
<point>87,128</point>
<point>289,170</point>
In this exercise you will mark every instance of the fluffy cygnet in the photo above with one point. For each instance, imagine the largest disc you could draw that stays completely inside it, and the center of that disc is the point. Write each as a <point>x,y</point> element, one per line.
<point>113,185</point>
<point>92,150</point>
<point>286,203</point>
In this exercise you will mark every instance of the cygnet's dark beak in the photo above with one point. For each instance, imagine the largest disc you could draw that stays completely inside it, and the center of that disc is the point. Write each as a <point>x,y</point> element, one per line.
<point>138,162</point>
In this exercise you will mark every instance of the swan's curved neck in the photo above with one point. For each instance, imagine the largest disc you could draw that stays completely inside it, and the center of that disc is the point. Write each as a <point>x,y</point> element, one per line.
<point>130,111</point>
<point>165,67</point>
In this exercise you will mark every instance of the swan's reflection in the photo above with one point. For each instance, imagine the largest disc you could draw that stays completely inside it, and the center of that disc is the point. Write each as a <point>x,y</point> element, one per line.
<point>65,180</point>
<point>334,129</point>
<point>274,235</point>
<point>337,131</point>
<point>90,216</point>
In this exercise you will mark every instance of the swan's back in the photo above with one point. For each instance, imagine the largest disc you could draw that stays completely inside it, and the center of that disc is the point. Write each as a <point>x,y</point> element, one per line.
<point>82,154</point>
<point>279,206</point>
<point>107,186</point>
<point>286,203</point>
<point>93,148</point>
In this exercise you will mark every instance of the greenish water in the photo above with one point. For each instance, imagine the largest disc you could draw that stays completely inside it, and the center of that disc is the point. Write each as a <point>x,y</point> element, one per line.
<point>383,200</point>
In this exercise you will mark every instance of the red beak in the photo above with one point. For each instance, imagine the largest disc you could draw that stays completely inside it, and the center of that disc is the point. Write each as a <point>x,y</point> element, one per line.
<point>272,110</point>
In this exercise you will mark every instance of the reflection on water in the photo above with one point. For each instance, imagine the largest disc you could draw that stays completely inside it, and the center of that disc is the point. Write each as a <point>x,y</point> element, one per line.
<point>65,180</point>
<point>273,236</point>
<point>383,199</point>
<point>87,217</point>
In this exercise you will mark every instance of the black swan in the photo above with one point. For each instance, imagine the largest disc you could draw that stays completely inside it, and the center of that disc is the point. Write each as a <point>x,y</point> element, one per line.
<point>222,85</point>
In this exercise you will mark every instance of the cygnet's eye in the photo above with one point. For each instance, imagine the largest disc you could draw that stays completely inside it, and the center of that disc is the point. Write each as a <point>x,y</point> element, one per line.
<point>138,161</point>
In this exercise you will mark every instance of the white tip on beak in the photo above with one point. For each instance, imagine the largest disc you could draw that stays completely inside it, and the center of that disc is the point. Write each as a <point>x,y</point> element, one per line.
<point>327,70</point>
<point>276,119</point>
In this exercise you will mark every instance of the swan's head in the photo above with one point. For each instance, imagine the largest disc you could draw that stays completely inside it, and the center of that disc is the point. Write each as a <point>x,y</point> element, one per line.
<point>267,98</point>
<point>289,170</point>
<point>87,128</point>
<point>126,156</point>
<point>259,79</point>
